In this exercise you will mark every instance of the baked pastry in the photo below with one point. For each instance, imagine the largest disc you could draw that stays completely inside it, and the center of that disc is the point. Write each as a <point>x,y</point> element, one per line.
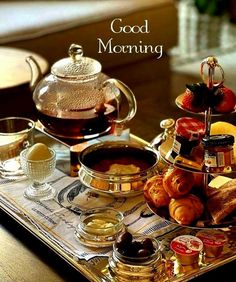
<point>186,210</point>
<point>177,182</point>
<point>155,193</point>
<point>198,180</point>
<point>222,201</point>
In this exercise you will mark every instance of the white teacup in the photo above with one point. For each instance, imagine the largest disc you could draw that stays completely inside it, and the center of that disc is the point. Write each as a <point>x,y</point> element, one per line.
<point>16,134</point>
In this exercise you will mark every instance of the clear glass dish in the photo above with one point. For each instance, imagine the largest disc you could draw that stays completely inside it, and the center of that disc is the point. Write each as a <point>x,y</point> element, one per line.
<point>147,268</point>
<point>99,227</point>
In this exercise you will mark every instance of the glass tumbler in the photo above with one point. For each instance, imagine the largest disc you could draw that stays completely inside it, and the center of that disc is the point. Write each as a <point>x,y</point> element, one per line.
<point>38,171</point>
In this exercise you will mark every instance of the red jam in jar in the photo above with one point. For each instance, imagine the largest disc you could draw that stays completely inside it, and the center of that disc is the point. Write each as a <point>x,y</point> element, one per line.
<point>219,154</point>
<point>188,133</point>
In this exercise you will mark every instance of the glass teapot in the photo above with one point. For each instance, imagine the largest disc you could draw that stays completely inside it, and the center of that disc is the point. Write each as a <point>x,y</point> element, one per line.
<point>76,100</point>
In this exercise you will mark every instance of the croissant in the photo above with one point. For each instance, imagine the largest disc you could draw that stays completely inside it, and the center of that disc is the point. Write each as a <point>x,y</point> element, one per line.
<point>155,193</point>
<point>186,210</point>
<point>177,182</point>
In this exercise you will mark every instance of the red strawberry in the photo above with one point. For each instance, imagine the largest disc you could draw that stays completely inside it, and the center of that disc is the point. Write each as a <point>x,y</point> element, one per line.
<point>189,102</point>
<point>227,100</point>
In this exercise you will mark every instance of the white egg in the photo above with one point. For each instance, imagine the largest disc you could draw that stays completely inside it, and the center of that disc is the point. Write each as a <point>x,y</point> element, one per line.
<point>38,152</point>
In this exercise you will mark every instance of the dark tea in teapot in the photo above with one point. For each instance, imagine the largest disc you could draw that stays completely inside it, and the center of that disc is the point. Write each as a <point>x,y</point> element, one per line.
<point>84,126</point>
<point>76,100</point>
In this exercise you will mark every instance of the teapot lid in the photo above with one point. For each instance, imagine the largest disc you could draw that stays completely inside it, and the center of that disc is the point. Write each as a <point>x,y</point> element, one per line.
<point>76,66</point>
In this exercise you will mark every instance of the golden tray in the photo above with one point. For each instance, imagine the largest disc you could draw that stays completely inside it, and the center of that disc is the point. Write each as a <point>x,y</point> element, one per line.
<point>99,271</point>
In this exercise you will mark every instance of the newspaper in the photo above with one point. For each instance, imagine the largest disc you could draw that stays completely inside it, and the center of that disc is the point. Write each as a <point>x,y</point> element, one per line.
<point>57,219</point>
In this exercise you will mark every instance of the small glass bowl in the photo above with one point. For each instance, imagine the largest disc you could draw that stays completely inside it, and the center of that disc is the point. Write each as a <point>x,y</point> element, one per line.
<point>125,268</point>
<point>99,227</point>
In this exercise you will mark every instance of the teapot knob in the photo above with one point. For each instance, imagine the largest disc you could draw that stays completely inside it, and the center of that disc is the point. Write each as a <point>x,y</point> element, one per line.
<point>75,50</point>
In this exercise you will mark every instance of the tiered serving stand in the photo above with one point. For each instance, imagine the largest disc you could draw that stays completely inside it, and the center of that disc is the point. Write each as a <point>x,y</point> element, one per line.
<point>212,66</point>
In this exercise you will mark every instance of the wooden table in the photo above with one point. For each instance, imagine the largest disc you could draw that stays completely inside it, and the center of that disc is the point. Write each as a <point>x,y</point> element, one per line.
<point>15,75</point>
<point>14,70</point>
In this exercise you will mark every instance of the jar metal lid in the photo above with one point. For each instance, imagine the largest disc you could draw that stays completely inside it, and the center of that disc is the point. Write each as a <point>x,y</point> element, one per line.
<point>218,140</point>
<point>190,128</point>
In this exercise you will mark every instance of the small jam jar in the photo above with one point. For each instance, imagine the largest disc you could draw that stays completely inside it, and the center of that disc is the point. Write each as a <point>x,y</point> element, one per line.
<point>188,133</point>
<point>99,227</point>
<point>219,154</point>
<point>146,268</point>
<point>213,242</point>
<point>187,249</point>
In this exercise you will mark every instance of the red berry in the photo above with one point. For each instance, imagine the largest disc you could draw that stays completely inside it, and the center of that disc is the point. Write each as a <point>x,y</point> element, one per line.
<point>189,102</point>
<point>227,101</point>
<point>187,99</point>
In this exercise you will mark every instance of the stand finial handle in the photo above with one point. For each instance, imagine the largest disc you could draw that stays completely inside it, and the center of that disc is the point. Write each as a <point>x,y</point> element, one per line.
<point>212,64</point>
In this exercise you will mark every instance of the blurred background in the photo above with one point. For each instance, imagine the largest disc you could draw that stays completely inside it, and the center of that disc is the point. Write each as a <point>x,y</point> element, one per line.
<point>188,31</point>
